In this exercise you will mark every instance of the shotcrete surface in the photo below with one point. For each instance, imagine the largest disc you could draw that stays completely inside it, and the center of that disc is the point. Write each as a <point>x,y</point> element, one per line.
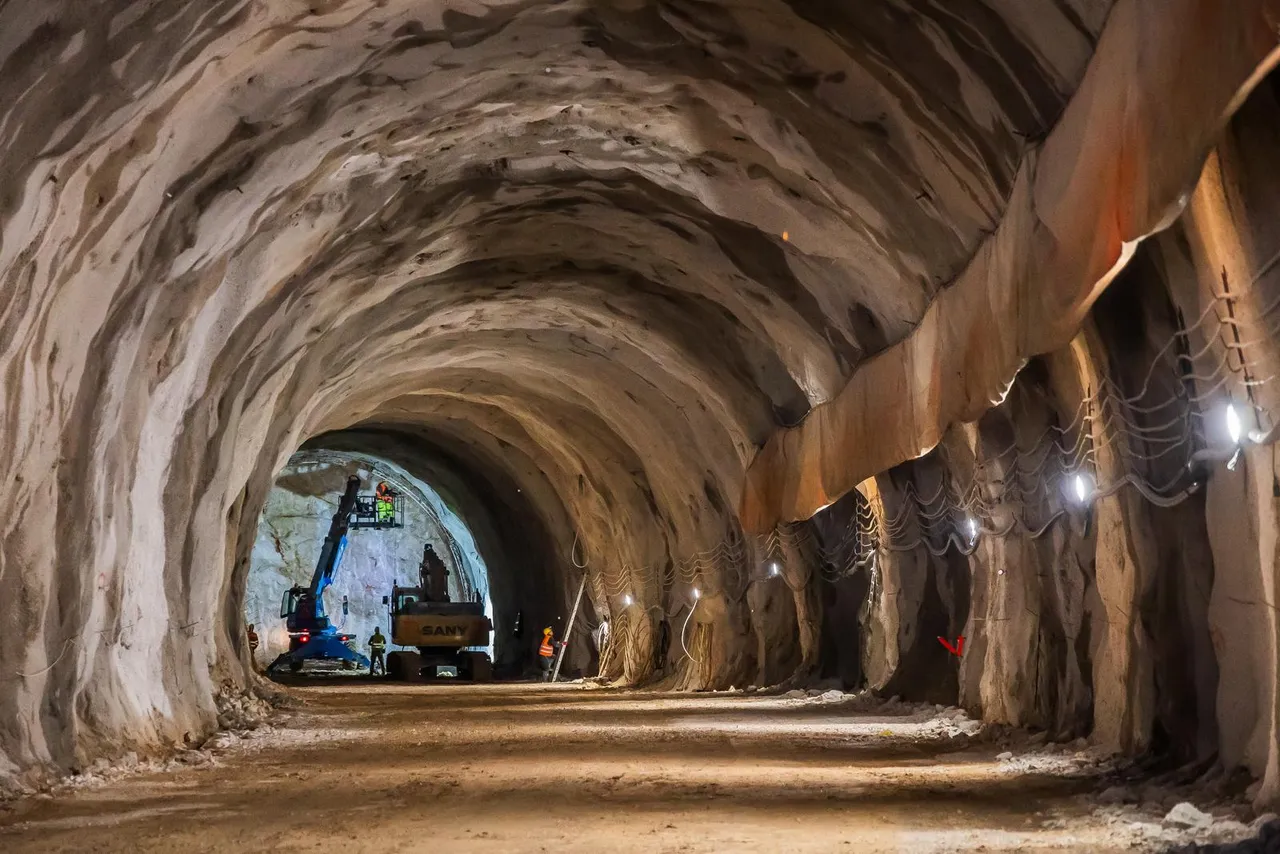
<point>376,767</point>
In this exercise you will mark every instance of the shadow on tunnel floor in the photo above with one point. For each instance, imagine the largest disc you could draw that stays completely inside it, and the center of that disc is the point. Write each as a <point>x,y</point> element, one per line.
<point>380,763</point>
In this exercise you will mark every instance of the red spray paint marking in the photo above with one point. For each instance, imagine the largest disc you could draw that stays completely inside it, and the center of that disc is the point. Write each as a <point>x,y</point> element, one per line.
<point>958,649</point>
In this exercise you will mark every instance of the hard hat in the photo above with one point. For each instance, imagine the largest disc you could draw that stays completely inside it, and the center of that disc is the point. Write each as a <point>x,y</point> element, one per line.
<point>547,630</point>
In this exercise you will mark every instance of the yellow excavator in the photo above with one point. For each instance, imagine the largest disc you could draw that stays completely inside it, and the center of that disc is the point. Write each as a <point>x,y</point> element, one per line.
<point>446,634</point>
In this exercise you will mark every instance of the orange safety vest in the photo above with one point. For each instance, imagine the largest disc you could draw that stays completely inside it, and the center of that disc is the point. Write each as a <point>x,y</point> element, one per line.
<point>546,650</point>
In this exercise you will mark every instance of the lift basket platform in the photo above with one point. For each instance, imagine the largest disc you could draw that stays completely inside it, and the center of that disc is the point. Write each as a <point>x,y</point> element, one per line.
<point>366,514</point>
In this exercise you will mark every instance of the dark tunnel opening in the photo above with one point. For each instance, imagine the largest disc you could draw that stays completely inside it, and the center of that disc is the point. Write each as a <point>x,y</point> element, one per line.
<point>513,522</point>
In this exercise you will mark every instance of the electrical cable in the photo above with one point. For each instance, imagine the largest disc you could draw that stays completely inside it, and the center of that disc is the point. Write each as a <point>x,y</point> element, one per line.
<point>684,627</point>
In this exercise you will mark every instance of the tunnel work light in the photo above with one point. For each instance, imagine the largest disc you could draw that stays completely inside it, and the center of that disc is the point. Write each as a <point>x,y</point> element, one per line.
<point>1235,429</point>
<point>973,528</point>
<point>1081,488</point>
<point>697,594</point>
<point>775,569</point>
<point>626,600</point>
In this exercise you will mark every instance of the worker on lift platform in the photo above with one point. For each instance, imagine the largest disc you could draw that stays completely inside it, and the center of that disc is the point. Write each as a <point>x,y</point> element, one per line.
<point>386,503</point>
<point>377,649</point>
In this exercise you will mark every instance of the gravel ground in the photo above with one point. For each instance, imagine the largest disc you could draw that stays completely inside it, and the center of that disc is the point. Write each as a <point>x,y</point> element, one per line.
<point>378,767</point>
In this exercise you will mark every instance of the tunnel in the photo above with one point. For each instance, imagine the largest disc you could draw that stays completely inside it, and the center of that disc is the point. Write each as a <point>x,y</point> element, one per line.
<point>876,399</point>
<point>292,530</point>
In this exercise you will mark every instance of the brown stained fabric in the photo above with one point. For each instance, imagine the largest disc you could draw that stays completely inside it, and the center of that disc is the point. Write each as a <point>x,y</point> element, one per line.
<point>1117,167</point>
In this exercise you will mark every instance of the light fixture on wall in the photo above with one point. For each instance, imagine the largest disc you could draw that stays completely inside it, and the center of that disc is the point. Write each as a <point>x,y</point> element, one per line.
<point>972,525</point>
<point>1235,432</point>
<point>697,594</point>
<point>626,600</point>
<point>775,568</point>
<point>1082,488</point>
<point>1235,429</point>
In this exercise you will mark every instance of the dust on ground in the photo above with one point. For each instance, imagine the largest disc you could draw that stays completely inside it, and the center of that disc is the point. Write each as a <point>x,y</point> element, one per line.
<point>383,767</point>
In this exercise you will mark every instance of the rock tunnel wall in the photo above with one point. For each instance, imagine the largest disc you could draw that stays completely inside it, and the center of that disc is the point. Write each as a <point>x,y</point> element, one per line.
<point>571,264</point>
<point>1136,610</point>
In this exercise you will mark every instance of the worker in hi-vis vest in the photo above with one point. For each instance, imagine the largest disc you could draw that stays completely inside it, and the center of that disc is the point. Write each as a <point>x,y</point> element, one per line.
<point>253,646</point>
<point>377,646</point>
<point>547,653</point>
<point>385,500</point>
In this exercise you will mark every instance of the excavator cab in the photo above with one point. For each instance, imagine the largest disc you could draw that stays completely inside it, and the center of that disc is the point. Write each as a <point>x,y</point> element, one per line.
<point>289,605</point>
<point>406,597</point>
<point>448,636</point>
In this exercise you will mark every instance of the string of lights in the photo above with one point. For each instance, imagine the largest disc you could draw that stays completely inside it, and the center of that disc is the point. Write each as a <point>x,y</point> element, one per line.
<point>1018,489</point>
<point>1106,420</point>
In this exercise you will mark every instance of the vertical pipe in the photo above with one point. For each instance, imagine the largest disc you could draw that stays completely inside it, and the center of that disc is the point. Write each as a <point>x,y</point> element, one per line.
<point>568,632</point>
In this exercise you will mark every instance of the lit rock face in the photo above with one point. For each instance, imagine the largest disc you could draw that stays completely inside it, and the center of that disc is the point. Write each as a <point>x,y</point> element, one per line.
<point>295,521</point>
<point>533,252</point>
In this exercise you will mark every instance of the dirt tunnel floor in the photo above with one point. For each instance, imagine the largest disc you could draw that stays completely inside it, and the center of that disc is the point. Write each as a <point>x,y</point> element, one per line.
<point>500,768</point>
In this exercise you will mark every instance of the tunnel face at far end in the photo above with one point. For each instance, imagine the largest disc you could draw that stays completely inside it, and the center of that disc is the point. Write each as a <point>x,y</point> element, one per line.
<point>766,345</point>
<point>291,532</point>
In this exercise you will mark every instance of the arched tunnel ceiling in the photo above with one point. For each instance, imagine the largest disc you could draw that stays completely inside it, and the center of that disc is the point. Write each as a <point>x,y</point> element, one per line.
<point>576,262</point>
<point>573,204</point>
<point>1103,180</point>
<point>631,282</point>
<point>611,245</point>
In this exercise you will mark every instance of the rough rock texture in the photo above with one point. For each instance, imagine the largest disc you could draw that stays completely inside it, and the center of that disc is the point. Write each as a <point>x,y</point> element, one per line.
<point>545,241</point>
<point>1139,610</point>
<point>1102,180</point>
<point>571,265</point>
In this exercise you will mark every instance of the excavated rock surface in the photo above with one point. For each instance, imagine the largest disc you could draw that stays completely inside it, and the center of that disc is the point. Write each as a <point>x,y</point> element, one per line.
<point>588,252</point>
<point>571,264</point>
<point>1102,180</point>
<point>1140,609</point>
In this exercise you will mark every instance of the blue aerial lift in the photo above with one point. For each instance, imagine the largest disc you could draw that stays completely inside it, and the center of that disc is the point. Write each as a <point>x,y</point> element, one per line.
<point>311,635</point>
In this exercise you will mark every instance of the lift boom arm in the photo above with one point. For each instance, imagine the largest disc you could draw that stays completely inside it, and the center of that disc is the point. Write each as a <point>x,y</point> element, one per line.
<point>335,543</point>
<point>310,633</point>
